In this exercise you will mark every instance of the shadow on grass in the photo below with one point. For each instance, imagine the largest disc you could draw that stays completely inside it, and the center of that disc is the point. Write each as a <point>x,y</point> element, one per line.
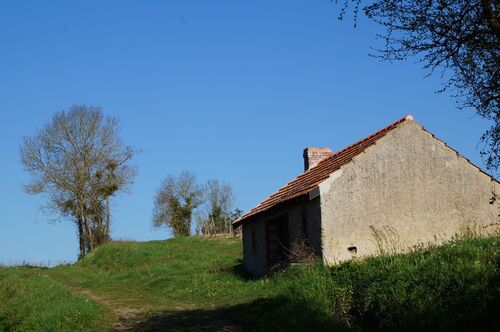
<point>262,315</point>
<point>238,270</point>
<point>281,314</point>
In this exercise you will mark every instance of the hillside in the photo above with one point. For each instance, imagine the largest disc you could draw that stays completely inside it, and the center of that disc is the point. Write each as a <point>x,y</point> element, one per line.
<point>198,284</point>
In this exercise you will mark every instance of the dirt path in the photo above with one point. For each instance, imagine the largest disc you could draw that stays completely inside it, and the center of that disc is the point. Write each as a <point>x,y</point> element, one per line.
<point>130,318</point>
<point>127,316</point>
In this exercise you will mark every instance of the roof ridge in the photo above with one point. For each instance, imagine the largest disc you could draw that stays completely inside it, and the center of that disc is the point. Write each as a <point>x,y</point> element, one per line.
<point>309,179</point>
<point>391,126</point>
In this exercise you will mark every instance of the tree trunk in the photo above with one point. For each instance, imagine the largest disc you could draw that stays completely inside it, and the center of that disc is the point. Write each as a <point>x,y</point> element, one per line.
<point>80,238</point>
<point>108,217</point>
<point>89,238</point>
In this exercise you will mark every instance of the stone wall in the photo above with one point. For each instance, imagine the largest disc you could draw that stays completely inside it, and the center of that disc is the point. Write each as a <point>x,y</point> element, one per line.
<point>407,189</point>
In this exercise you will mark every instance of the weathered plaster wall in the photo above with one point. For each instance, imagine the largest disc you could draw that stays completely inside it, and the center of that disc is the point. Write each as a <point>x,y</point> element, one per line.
<point>310,210</point>
<point>255,262</point>
<point>407,189</point>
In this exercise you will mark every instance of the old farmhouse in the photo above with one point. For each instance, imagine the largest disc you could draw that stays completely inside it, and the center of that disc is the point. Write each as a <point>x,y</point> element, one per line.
<point>395,189</point>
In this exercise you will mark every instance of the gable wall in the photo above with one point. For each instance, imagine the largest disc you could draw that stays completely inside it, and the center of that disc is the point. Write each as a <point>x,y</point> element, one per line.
<point>255,262</point>
<point>411,189</point>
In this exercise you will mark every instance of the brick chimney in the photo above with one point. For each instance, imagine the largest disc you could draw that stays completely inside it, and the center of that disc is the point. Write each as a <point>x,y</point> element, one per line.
<point>312,156</point>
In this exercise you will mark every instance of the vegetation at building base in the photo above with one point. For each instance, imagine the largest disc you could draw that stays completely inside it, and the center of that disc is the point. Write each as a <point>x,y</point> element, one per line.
<point>198,283</point>
<point>451,287</point>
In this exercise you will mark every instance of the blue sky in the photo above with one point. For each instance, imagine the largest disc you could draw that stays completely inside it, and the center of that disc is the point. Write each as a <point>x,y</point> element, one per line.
<point>228,89</point>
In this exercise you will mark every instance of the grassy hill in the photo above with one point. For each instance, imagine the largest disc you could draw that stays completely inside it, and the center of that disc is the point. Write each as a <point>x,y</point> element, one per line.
<point>198,284</point>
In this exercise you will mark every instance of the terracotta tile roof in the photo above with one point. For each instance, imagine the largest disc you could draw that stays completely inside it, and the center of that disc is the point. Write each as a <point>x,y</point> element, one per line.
<point>311,178</point>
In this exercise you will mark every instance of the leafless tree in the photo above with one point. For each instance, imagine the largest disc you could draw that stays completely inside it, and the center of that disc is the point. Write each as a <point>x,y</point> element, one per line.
<point>79,162</point>
<point>175,202</point>
<point>460,38</point>
<point>217,215</point>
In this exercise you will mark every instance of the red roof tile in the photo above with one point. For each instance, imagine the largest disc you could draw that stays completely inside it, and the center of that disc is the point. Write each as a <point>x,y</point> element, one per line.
<point>311,178</point>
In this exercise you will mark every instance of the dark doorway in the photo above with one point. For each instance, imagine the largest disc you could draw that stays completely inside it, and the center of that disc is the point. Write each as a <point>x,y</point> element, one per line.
<point>278,242</point>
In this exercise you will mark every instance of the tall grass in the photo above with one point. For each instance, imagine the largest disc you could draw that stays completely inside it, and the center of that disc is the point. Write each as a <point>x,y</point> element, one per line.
<point>451,287</point>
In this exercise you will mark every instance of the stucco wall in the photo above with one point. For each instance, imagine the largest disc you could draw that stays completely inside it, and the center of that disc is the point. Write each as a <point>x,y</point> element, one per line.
<point>255,262</point>
<point>407,189</point>
<point>312,213</point>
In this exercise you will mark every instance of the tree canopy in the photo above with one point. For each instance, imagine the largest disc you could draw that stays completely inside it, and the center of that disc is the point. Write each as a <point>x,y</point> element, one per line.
<point>458,38</point>
<point>218,213</point>
<point>180,198</point>
<point>79,162</point>
<point>175,201</point>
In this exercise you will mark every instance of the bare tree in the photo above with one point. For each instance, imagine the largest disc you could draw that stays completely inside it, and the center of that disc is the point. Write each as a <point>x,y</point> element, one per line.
<point>217,215</point>
<point>175,202</point>
<point>460,38</point>
<point>79,162</point>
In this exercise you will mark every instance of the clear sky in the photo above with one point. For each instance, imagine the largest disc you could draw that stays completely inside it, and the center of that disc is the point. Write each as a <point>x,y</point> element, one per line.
<point>228,89</point>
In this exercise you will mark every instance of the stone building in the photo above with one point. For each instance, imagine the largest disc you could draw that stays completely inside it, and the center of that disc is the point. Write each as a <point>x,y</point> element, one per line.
<point>395,189</point>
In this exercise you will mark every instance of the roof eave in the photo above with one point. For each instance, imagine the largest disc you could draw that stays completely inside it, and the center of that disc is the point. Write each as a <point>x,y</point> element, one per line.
<point>341,158</point>
<point>271,210</point>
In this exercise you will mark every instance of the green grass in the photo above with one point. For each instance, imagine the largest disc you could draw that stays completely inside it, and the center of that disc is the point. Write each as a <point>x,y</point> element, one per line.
<point>31,302</point>
<point>193,283</point>
<point>181,273</point>
<point>448,288</point>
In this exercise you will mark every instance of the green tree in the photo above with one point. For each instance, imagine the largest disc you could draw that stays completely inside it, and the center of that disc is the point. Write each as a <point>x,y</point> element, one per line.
<point>175,201</point>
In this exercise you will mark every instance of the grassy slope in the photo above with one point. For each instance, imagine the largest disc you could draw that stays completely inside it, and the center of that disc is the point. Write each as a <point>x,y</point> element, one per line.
<point>182,273</point>
<point>31,302</point>
<point>186,283</point>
